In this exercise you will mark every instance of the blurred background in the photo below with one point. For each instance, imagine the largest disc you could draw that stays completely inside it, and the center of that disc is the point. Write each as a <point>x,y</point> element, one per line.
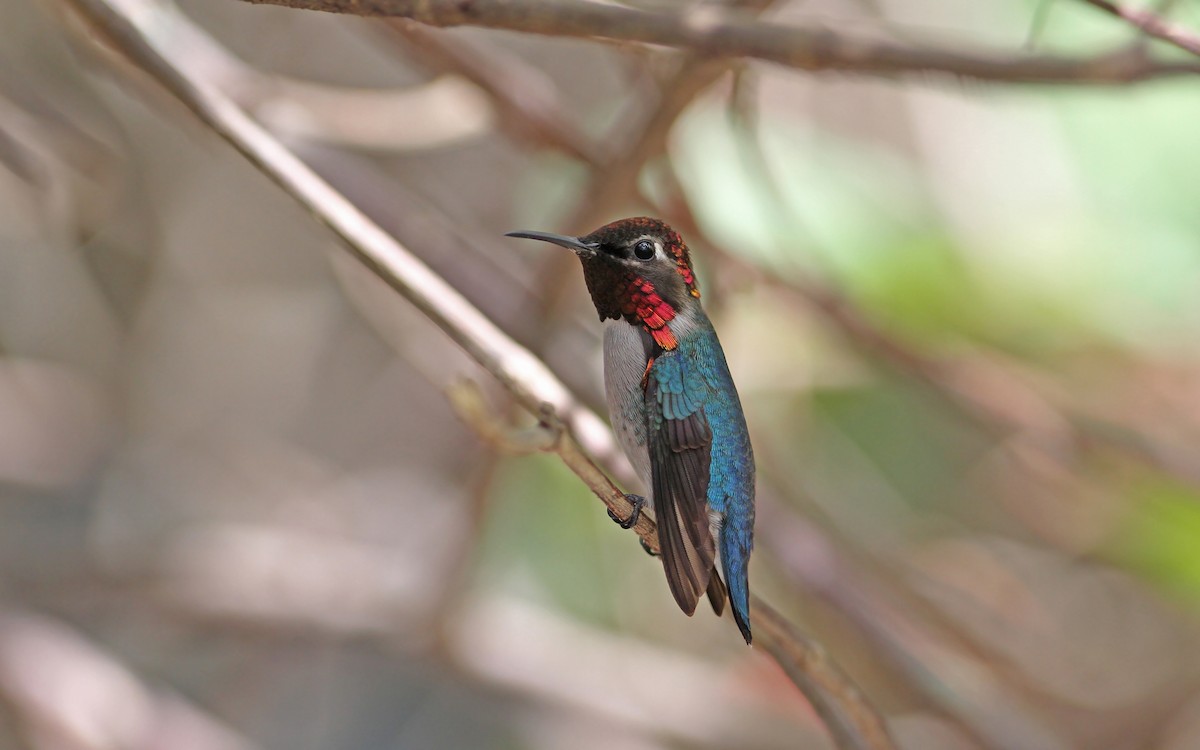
<point>238,511</point>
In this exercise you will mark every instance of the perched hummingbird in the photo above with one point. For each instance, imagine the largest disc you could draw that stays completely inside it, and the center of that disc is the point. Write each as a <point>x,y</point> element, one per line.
<point>673,407</point>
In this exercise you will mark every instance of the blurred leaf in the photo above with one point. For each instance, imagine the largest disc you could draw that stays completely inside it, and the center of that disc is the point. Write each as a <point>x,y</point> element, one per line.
<point>1161,538</point>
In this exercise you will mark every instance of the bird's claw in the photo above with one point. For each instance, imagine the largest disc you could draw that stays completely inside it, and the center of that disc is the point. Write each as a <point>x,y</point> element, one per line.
<point>638,502</point>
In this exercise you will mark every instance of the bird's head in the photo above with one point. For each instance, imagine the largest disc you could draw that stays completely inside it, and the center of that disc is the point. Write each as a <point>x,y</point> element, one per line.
<point>636,269</point>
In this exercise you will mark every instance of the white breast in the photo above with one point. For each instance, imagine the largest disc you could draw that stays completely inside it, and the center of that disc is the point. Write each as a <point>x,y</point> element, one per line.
<point>624,365</point>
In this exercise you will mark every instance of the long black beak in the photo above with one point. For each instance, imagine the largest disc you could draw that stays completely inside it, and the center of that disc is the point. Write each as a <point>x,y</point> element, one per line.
<point>573,244</point>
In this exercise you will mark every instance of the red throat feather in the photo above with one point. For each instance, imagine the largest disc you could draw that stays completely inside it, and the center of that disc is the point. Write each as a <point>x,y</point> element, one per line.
<point>652,310</point>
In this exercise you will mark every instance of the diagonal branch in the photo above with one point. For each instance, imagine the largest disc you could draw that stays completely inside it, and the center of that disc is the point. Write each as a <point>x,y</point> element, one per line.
<point>161,42</point>
<point>708,34</point>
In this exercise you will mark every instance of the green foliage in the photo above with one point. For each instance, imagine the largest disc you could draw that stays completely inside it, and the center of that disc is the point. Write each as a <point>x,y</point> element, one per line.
<point>1161,536</point>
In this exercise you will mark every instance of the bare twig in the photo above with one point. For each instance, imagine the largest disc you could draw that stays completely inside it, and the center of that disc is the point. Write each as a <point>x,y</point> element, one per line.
<point>1152,25</point>
<point>163,43</point>
<point>807,48</point>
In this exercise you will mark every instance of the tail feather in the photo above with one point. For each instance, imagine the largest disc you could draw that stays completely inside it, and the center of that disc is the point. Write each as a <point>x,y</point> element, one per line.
<point>716,593</point>
<point>734,560</point>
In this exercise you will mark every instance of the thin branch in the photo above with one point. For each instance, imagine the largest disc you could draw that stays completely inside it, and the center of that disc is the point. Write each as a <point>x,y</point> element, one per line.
<point>164,44</point>
<point>1152,25</point>
<point>707,33</point>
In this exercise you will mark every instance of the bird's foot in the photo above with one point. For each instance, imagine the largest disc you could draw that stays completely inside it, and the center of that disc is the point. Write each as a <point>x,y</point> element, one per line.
<point>638,502</point>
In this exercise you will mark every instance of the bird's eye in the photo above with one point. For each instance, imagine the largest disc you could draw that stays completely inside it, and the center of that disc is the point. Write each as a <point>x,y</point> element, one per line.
<point>643,250</point>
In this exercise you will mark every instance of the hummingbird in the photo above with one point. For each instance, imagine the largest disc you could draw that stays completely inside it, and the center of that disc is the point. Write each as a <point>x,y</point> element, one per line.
<point>673,407</point>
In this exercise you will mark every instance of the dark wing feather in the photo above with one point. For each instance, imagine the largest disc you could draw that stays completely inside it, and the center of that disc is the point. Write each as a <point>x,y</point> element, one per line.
<point>680,442</point>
